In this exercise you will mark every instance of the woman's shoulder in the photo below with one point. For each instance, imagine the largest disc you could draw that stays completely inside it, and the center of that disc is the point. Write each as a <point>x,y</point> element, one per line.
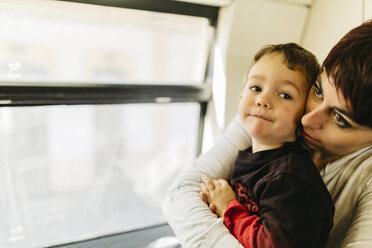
<point>349,176</point>
<point>358,161</point>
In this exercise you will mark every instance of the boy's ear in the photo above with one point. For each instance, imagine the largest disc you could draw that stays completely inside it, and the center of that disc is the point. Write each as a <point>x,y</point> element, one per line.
<point>240,96</point>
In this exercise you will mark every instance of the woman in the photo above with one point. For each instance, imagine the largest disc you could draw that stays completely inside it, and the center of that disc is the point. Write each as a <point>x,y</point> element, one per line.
<point>337,130</point>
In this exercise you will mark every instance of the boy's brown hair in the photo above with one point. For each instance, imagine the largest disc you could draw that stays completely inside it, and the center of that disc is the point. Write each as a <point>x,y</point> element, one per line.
<point>295,57</point>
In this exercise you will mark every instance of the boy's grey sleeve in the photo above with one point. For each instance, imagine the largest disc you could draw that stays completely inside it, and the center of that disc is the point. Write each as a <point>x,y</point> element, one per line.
<point>190,218</point>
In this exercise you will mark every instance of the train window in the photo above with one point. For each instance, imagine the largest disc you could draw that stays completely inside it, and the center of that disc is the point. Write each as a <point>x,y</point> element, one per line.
<point>70,42</point>
<point>101,106</point>
<point>78,172</point>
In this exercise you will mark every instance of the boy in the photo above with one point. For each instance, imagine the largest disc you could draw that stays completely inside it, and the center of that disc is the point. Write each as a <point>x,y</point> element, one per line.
<point>279,198</point>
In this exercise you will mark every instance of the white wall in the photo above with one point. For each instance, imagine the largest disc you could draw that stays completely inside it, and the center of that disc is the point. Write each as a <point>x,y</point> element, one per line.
<point>329,20</point>
<point>367,9</point>
<point>257,23</point>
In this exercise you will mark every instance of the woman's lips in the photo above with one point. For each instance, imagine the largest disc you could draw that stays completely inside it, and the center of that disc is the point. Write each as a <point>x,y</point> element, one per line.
<point>309,139</point>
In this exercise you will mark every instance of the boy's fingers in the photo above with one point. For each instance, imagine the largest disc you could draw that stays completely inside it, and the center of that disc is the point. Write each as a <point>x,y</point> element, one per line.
<point>219,182</point>
<point>210,185</point>
<point>222,181</point>
<point>205,178</point>
<point>208,182</point>
<point>204,197</point>
<point>212,207</point>
<point>203,187</point>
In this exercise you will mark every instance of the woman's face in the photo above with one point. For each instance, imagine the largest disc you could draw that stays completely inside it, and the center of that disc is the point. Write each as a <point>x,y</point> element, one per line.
<point>327,124</point>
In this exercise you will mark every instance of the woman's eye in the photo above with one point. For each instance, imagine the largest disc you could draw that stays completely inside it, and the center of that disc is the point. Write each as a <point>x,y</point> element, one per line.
<point>340,121</point>
<point>317,90</point>
<point>285,96</point>
<point>255,89</point>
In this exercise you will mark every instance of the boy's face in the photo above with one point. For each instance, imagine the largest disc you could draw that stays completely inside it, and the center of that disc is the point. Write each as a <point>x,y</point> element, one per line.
<point>272,101</point>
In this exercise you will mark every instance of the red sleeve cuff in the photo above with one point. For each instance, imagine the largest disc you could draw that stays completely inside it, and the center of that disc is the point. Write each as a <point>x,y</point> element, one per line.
<point>233,207</point>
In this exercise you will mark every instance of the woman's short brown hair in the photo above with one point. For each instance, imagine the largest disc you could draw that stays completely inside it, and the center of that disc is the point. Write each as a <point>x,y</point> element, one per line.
<point>349,65</point>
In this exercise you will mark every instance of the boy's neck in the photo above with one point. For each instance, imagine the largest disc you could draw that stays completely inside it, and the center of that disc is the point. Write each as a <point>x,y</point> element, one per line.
<point>259,146</point>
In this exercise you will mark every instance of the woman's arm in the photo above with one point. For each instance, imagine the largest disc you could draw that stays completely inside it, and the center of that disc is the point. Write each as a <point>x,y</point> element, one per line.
<point>359,233</point>
<point>349,182</point>
<point>190,218</point>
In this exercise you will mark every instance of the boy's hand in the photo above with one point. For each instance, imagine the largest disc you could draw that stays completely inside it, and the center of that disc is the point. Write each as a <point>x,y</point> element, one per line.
<point>216,193</point>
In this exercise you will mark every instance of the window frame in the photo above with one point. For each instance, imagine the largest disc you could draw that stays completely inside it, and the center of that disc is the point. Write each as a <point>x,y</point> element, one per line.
<point>56,93</point>
<point>13,94</point>
<point>21,94</point>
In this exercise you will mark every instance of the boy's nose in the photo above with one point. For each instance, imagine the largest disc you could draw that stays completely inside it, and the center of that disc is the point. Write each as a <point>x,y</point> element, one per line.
<point>263,102</point>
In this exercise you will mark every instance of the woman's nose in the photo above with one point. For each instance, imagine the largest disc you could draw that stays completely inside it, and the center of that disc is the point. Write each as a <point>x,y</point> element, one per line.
<point>313,118</point>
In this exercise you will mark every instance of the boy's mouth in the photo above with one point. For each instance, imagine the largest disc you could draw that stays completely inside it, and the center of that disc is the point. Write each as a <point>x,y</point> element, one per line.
<point>261,117</point>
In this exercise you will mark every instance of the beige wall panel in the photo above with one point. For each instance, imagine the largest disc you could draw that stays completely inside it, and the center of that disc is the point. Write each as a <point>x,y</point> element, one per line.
<point>329,20</point>
<point>256,23</point>
<point>367,9</point>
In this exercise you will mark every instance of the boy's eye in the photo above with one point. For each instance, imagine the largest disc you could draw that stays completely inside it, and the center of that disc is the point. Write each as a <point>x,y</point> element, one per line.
<point>340,121</point>
<point>255,89</point>
<point>285,96</point>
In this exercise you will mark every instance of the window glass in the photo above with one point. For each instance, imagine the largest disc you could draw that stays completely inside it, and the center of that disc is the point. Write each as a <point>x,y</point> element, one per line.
<point>49,41</point>
<point>70,173</point>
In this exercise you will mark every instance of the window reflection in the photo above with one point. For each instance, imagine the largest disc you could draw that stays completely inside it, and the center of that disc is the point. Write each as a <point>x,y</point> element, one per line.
<point>69,173</point>
<point>43,40</point>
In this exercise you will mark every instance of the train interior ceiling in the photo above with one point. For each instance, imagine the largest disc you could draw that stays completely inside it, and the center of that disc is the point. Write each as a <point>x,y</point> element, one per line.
<point>104,102</point>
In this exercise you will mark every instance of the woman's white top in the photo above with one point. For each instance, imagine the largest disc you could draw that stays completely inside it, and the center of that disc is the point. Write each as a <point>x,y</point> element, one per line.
<point>349,181</point>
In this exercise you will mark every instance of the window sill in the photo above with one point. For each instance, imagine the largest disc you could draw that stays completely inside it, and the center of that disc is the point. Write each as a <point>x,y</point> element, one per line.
<point>133,239</point>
